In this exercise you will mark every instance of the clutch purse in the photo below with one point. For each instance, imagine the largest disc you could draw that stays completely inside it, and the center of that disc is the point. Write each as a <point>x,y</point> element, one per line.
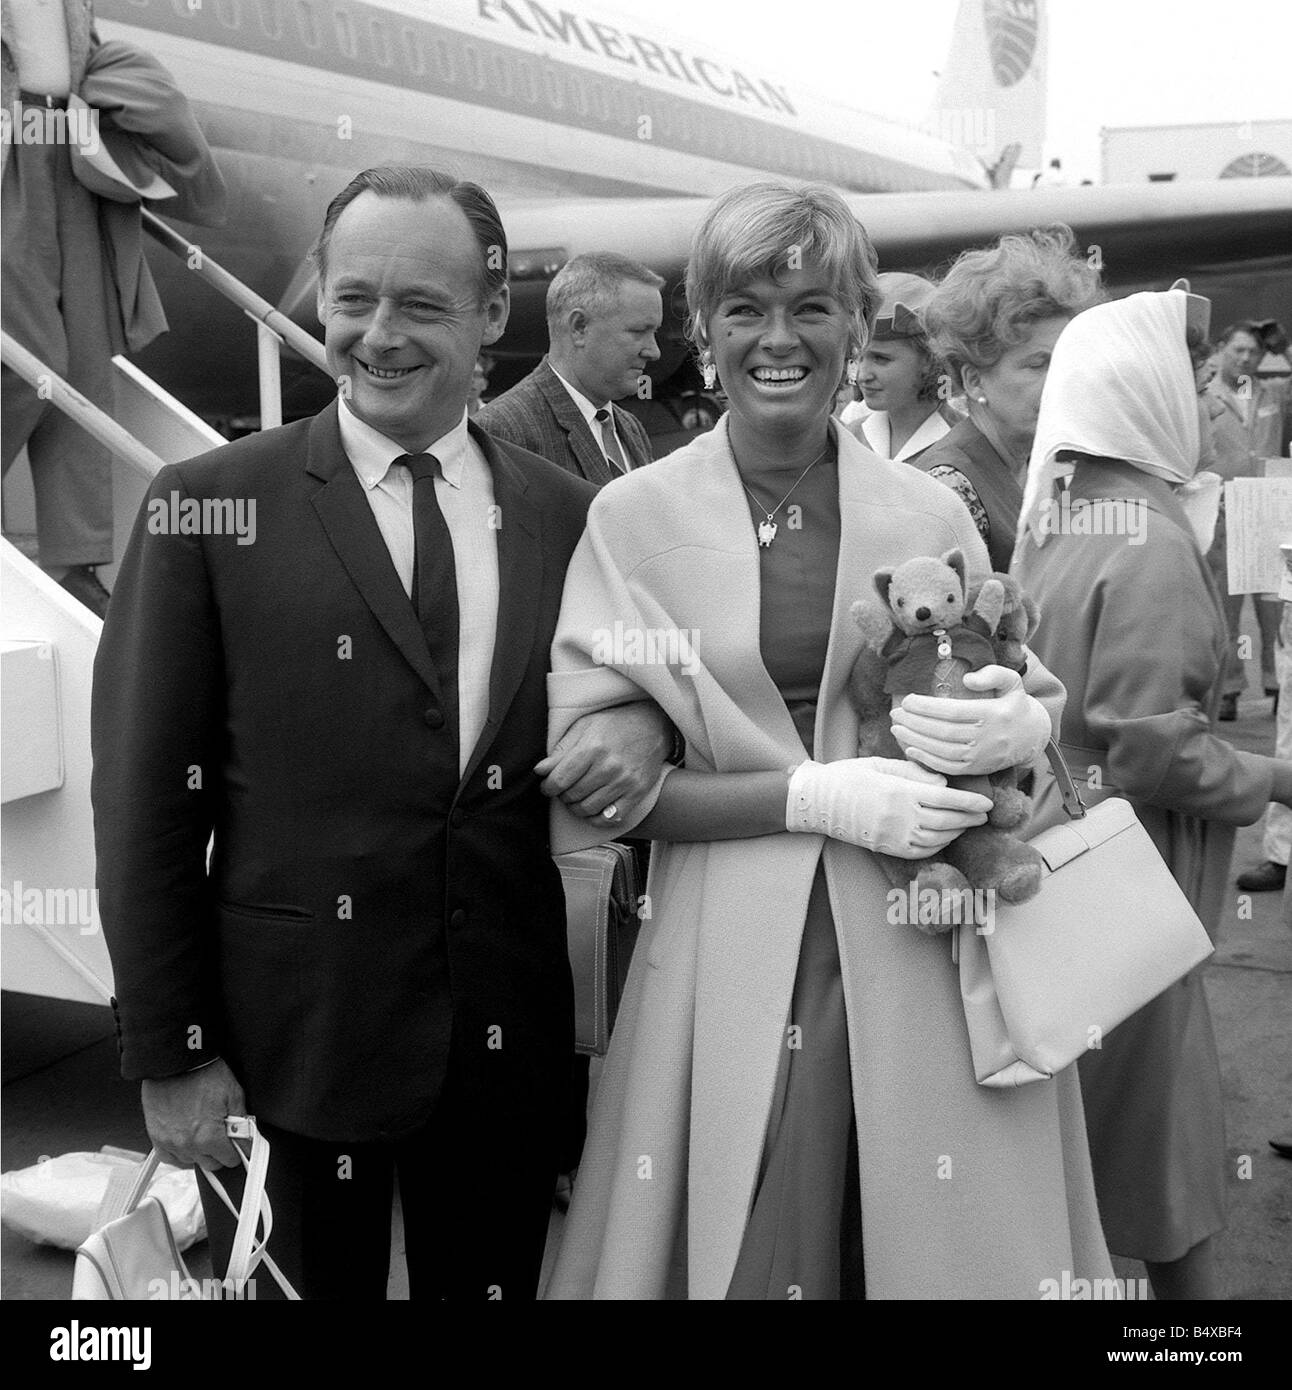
<point>132,1254</point>
<point>1109,931</point>
<point>601,896</point>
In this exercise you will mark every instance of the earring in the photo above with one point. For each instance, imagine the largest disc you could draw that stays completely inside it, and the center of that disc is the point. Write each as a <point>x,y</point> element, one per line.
<point>708,371</point>
<point>854,371</point>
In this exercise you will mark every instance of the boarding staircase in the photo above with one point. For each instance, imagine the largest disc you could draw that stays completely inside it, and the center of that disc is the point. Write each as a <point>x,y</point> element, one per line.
<point>52,944</point>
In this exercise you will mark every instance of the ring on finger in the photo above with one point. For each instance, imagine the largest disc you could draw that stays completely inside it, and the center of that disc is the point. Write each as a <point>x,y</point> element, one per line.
<point>611,812</point>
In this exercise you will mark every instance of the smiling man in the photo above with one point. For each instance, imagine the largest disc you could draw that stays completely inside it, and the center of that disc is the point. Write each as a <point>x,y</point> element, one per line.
<point>603,312</point>
<point>373,959</point>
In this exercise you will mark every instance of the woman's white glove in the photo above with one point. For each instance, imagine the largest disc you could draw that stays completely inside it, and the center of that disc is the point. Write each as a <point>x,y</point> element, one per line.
<point>882,804</point>
<point>963,737</point>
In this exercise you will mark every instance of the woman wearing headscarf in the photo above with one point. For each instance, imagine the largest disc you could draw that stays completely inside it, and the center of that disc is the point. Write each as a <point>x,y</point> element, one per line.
<point>1133,625</point>
<point>995,319</point>
<point>900,378</point>
<point>788,1107</point>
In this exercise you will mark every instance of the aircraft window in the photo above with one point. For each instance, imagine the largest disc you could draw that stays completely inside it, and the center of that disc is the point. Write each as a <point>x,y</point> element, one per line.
<point>624,108</point>
<point>344,32</point>
<point>599,99</point>
<point>474,68</point>
<point>414,58</point>
<point>444,62</point>
<point>305,25</point>
<point>380,42</point>
<point>271,18</point>
<point>181,8</point>
<point>228,13</point>
<point>141,3</point>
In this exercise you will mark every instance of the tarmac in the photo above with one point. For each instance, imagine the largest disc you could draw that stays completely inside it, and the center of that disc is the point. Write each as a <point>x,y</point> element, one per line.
<point>61,1092</point>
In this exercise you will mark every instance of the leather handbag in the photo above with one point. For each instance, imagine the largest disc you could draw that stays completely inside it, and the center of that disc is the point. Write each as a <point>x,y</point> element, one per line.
<point>601,896</point>
<point>1045,980</point>
<point>132,1254</point>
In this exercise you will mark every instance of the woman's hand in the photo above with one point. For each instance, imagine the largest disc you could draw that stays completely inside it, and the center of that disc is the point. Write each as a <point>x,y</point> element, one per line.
<point>881,804</point>
<point>609,759</point>
<point>960,737</point>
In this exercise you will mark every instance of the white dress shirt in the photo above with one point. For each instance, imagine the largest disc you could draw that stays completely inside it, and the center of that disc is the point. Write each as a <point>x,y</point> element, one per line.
<point>589,413</point>
<point>464,491</point>
<point>877,433</point>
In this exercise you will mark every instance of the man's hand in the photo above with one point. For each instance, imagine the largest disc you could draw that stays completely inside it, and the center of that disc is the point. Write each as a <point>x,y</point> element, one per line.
<point>963,737</point>
<point>185,1116</point>
<point>611,758</point>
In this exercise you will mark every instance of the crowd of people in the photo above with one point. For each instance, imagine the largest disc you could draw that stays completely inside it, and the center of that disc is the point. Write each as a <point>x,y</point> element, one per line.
<point>399,703</point>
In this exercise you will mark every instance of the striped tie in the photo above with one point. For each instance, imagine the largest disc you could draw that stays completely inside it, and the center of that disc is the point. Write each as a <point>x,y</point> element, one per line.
<point>614,454</point>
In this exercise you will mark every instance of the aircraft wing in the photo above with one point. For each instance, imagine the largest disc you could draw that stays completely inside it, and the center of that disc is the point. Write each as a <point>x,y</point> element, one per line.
<point>1233,237</point>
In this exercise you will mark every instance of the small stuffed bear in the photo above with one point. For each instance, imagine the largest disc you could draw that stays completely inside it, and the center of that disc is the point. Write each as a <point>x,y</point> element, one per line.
<point>929,631</point>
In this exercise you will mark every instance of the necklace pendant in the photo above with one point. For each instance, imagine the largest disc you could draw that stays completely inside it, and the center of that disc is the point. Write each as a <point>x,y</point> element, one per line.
<point>766,532</point>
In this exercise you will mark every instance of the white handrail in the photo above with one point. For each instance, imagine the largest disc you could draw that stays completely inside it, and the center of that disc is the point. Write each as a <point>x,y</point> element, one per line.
<point>69,400</point>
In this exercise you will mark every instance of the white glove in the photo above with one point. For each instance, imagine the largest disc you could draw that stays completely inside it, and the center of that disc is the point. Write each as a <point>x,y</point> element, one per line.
<point>883,804</point>
<point>964,737</point>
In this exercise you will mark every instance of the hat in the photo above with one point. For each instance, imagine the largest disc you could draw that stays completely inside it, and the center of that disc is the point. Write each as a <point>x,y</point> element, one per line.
<point>902,308</point>
<point>112,166</point>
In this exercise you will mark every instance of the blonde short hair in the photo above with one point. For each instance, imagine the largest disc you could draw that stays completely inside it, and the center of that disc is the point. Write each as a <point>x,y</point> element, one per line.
<point>989,299</point>
<point>756,230</point>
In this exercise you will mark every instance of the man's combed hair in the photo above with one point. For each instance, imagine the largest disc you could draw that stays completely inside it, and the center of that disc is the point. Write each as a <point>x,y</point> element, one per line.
<point>591,282</point>
<point>764,229</point>
<point>989,299</point>
<point>421,183</point>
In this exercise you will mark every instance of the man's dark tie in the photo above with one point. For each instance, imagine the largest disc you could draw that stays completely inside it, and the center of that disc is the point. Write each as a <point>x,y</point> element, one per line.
<point>609,444</point>
<point>435,584</point>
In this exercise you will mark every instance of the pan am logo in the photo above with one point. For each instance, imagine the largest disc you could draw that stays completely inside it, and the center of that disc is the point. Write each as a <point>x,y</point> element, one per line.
<point>1013,27</point>
<point>1256,166</point>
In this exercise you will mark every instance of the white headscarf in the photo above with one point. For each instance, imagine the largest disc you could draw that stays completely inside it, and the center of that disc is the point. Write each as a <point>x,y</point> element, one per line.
<point>1121,386</point>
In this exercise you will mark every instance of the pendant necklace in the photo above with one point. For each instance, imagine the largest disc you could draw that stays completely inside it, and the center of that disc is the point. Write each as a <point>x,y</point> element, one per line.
<point>767,529</point>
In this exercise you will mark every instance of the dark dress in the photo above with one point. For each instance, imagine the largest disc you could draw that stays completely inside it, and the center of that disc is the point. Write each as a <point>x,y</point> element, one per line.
<point>965,460</point>
<point>803,1239</point>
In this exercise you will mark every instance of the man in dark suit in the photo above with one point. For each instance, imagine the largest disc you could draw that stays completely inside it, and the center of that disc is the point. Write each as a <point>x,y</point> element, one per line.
<point>349,695</point>
<point>603,312</point>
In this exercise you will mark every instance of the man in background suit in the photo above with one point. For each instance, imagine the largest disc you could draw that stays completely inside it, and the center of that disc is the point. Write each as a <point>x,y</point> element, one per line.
<point>350,695</point>
<point>603,312</point>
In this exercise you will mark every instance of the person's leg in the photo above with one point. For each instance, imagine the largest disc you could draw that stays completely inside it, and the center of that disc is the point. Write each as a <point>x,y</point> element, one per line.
<point>331,1209</point>
<point>30,281</point>
<point>1277,842</point>
<point>487,1241</point>
<point>71,471</point>
<point>1192,1276</point>
<point>1267,619</point>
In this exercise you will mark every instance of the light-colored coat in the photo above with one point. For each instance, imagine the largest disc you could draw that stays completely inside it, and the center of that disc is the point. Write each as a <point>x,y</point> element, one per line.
<point>965,1192</point>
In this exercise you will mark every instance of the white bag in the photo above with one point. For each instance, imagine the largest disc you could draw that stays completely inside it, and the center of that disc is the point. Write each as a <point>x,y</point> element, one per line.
<point>57,1201</point>
<point>131,1253</point>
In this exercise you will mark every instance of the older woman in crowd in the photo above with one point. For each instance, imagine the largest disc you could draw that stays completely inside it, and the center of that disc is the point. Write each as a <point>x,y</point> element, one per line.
<point>788,1107</point>
<point>900,378</point>
<point>995,319</point>
<point>1133,625</point>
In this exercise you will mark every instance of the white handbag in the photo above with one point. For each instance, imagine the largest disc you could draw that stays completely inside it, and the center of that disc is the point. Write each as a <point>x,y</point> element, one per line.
<point>132,1254</point>
<point>1110,930</point>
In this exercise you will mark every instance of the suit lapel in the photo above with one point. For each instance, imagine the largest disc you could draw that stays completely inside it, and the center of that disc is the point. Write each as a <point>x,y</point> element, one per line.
<point>633,436</point>
<point>520,585</point>
<point>355,536</point>
<point>586,451</point>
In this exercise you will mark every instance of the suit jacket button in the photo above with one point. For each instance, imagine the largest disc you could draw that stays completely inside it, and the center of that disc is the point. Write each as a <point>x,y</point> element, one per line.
<point>434,716</point>
<point>456,817</point>
<point>459,918</point>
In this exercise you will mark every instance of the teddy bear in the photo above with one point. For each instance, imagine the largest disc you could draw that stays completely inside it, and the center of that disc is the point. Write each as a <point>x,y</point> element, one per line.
<point>930,629</point>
